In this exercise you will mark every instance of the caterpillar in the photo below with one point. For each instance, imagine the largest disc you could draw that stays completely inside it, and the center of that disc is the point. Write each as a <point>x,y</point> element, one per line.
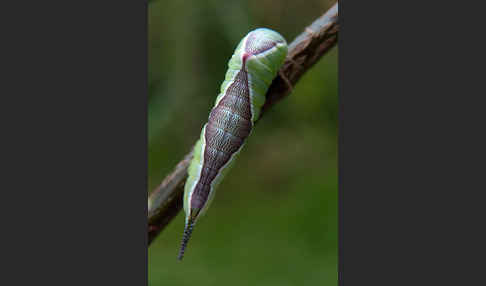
<point>254,64</point>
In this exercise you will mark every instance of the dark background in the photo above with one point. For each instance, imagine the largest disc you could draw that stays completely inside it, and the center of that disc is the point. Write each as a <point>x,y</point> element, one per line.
<point>274,218</point>
<point>411,150</point>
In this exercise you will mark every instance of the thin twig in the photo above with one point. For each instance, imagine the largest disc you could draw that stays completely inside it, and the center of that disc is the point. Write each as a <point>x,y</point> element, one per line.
<point>166,201</point>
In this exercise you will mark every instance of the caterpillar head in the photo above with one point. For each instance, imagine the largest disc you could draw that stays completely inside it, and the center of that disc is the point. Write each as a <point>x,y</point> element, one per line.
<point>266,46</point>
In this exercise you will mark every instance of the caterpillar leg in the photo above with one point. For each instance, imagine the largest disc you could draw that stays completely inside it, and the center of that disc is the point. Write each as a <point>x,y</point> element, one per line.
<point>286,79</point>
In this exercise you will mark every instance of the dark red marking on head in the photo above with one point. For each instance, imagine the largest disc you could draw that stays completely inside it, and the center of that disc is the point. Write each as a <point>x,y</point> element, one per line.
<point>245,57</point>
<point>255,47</point>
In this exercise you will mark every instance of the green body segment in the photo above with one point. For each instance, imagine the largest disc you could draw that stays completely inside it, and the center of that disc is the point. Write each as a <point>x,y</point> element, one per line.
<point>262,68</point>
<point>255,63</point>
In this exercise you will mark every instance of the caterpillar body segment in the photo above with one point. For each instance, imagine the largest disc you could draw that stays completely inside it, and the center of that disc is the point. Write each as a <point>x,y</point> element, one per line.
<point>254,64</point>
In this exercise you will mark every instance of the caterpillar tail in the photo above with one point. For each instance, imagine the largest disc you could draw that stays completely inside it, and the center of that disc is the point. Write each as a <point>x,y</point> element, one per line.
<point>186,236</point>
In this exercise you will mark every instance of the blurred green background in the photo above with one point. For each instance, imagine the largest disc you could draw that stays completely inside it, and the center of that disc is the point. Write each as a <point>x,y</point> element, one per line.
<point>274,218</point>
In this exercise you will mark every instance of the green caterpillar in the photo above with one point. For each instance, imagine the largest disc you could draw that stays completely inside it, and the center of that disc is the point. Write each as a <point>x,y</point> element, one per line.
<point>255,63</point>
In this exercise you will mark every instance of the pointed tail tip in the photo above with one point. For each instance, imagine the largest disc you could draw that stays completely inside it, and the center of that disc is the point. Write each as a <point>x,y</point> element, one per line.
<point>185,239</point>
<point>181,255</point>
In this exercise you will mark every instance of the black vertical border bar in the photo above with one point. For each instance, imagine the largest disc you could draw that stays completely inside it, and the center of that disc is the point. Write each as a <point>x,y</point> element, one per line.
<point>340,142</point>
<point>410,125</point>
<point>143,39</point>
<point>77,73</point>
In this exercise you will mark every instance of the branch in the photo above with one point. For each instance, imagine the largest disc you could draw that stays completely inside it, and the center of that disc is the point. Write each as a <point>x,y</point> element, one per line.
<point>304,51</point>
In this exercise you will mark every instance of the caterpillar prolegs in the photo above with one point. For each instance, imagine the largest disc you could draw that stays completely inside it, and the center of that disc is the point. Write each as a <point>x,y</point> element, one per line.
<point>254,64</point>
